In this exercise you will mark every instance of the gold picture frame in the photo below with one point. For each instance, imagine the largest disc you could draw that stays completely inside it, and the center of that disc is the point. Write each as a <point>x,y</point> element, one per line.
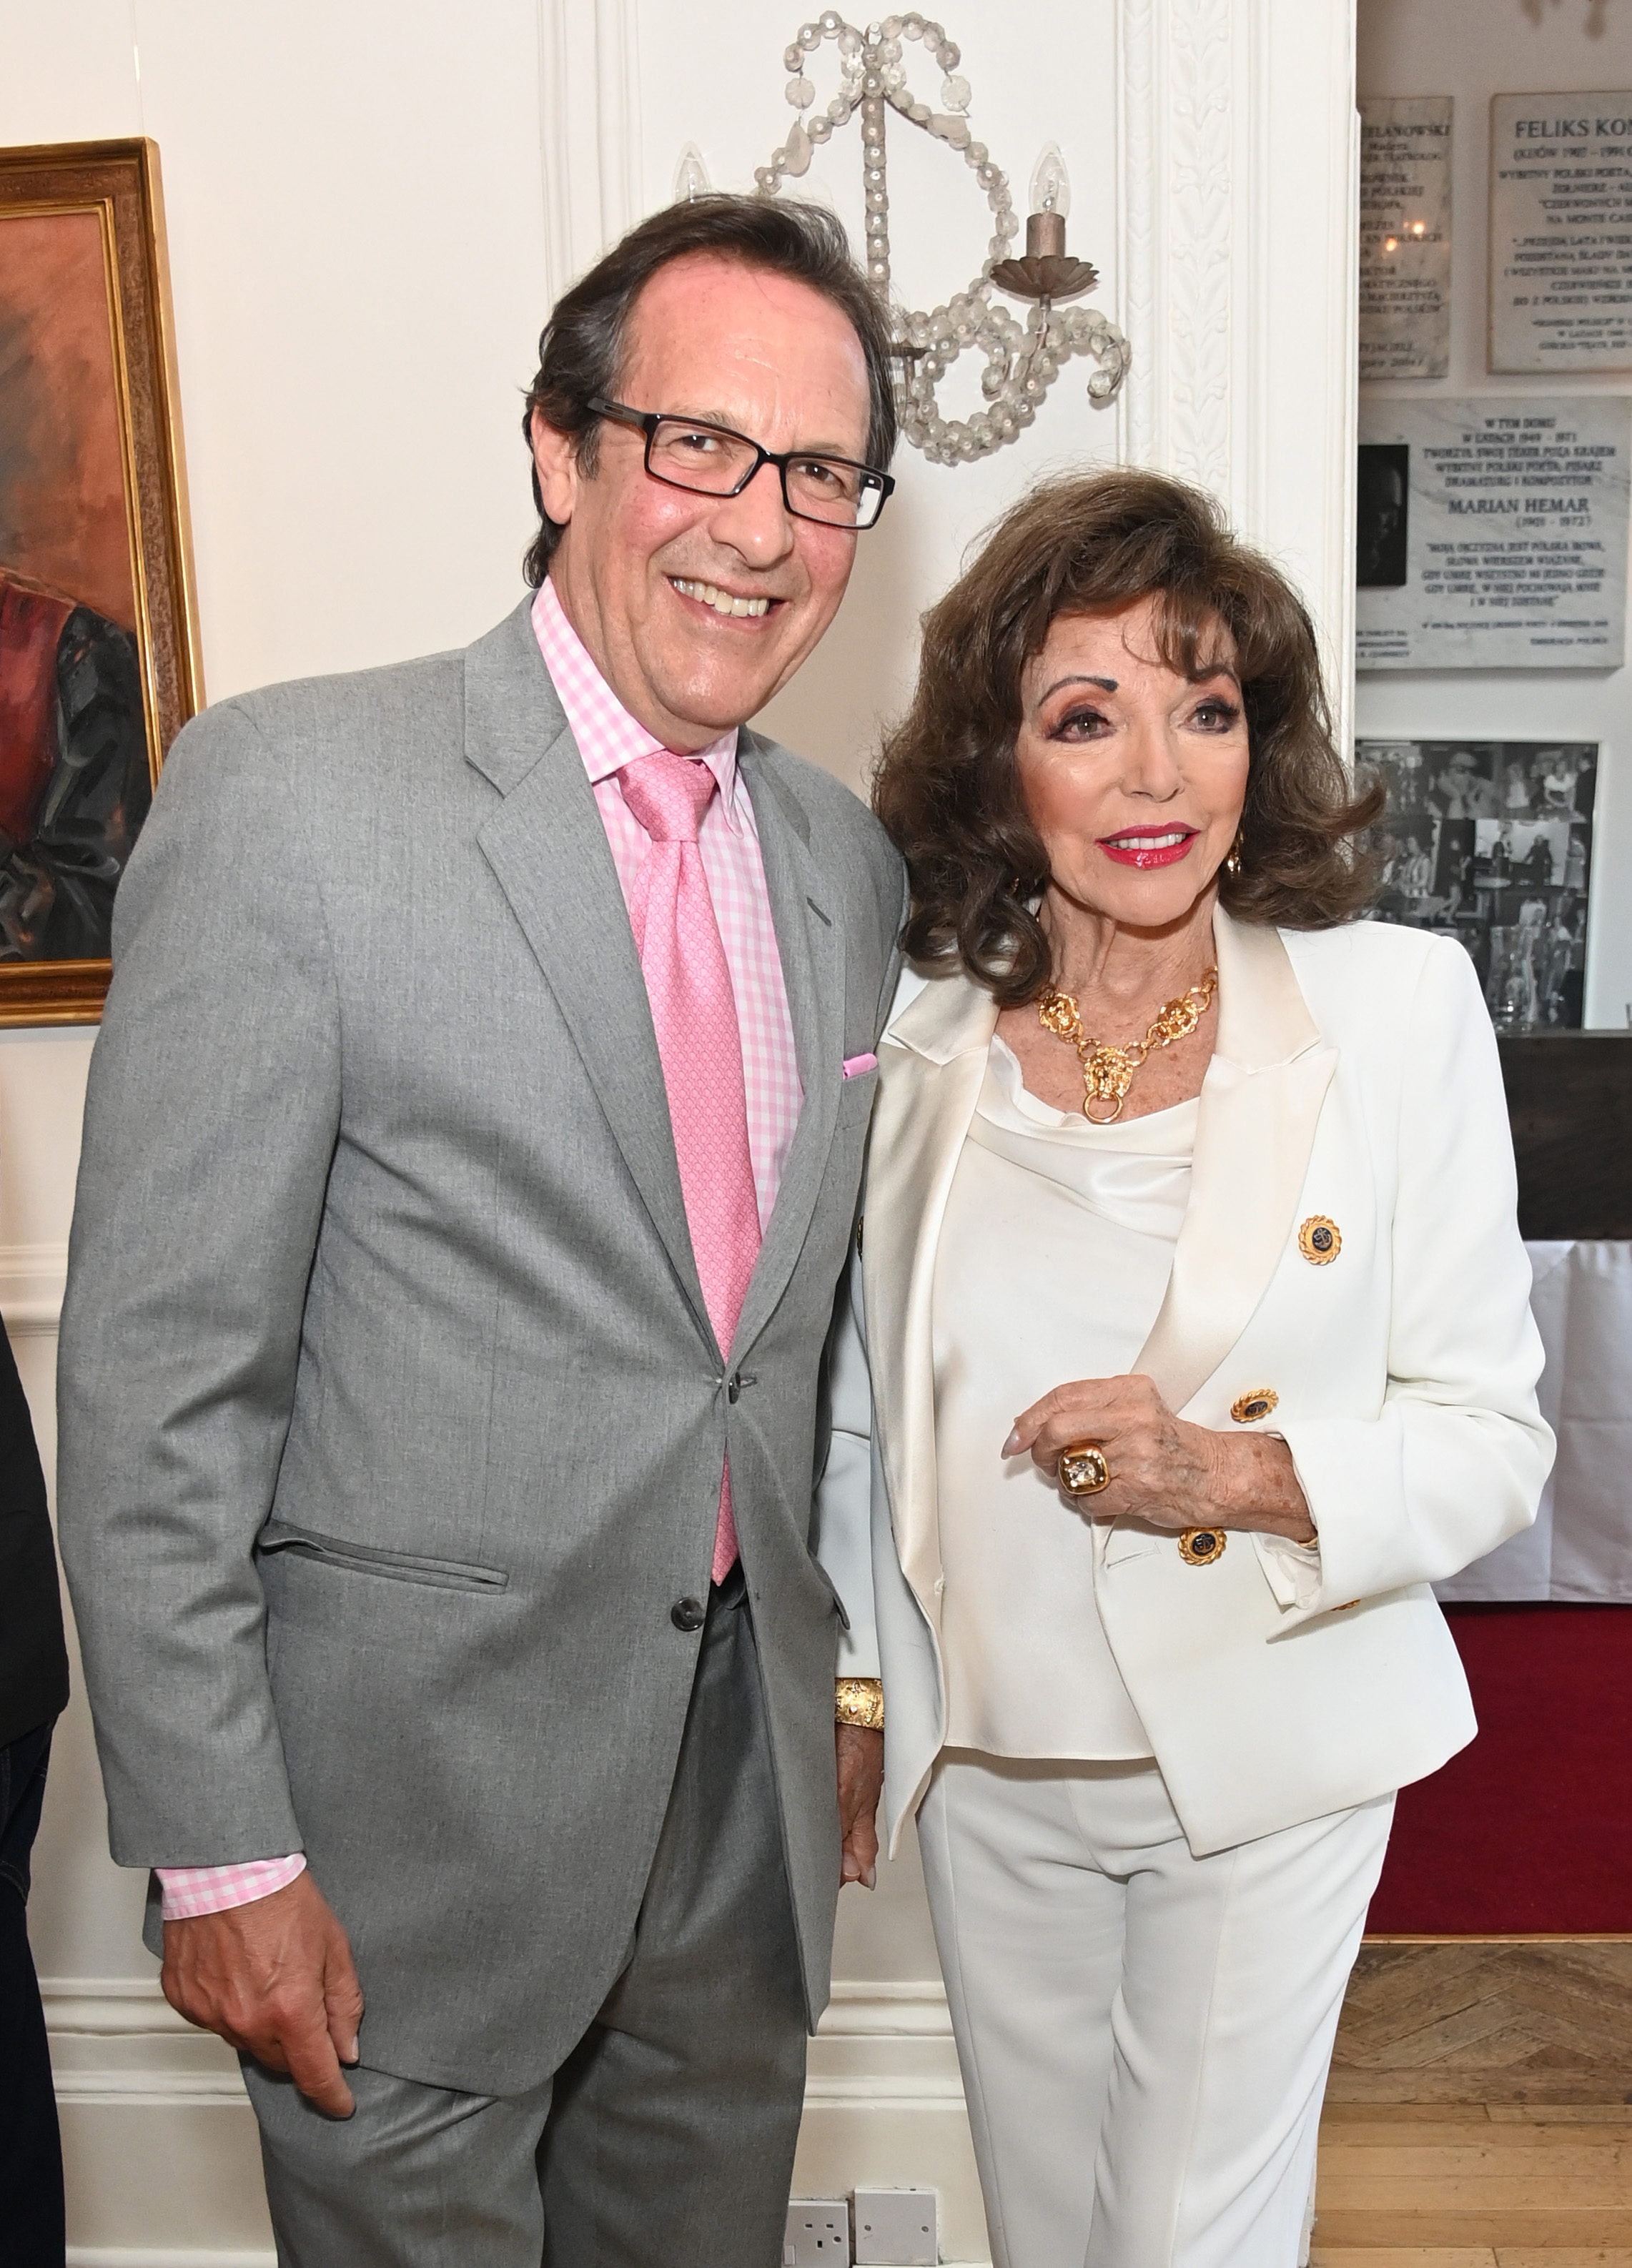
<point>99,665</point>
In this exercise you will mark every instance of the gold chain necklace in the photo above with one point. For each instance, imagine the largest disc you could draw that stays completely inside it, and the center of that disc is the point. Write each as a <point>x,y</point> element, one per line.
<point>1107,1070</point>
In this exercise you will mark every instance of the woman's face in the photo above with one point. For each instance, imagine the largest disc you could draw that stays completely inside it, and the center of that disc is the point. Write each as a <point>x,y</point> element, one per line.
<point>1133,776</point>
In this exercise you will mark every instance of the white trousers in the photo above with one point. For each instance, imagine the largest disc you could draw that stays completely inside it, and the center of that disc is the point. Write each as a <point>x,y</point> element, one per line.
<point>1144,2036</point>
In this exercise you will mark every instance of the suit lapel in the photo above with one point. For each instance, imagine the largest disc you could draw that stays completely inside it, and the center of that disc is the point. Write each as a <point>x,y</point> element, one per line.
<point>812,948</point>
<point>1260,1102</point>
<point>547,847</point>
<point>931,1064</point>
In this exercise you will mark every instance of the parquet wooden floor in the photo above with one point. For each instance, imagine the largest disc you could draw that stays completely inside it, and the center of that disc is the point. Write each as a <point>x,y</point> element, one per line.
<point>1535,2021</point>
<point>1480,2110</point>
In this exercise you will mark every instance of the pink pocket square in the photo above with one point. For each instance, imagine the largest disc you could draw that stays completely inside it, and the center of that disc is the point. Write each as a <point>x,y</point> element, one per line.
<point>854,1065</point>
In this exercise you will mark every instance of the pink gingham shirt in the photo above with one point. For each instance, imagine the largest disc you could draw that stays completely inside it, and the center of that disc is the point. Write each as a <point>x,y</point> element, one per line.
<point>607,739</point>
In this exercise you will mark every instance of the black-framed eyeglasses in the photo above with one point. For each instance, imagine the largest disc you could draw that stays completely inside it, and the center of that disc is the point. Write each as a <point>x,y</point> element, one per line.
<point>688,452</point>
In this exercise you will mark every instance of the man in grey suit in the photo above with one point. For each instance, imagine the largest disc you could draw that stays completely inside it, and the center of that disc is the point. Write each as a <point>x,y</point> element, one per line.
<point>437,1503</point>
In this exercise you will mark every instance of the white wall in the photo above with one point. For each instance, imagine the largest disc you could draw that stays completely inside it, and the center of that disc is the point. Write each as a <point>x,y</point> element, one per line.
<point>1473,49</point>
<point>369,208</point>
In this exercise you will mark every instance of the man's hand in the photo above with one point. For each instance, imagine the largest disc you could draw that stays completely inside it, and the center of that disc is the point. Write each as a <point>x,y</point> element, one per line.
<point>861,1753</point>
<point>275,1980</point>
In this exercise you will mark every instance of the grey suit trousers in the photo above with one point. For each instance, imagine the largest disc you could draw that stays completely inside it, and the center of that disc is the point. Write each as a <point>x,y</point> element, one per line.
<point>666,2139</point>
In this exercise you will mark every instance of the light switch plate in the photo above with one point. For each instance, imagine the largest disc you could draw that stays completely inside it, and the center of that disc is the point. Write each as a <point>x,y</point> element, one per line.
<point>896,2229</point>
<point>818,2234</point>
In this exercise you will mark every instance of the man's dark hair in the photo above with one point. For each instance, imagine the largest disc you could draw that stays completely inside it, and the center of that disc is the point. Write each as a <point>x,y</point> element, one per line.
<point>580,351</point>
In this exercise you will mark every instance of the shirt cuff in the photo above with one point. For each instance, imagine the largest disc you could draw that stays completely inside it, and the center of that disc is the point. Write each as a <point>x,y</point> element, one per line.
<point>189,1891</point>
<point>1293,1571</point>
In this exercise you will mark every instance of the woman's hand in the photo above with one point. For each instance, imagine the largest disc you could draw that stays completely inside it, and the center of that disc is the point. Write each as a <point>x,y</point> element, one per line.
<point>1163,1471</point>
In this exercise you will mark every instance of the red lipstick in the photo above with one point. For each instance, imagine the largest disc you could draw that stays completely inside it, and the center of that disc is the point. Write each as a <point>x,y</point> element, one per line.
<point>1147,847</point>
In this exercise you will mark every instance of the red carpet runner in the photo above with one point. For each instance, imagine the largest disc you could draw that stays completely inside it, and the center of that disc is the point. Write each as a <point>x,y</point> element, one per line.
<point>1531,1827</point>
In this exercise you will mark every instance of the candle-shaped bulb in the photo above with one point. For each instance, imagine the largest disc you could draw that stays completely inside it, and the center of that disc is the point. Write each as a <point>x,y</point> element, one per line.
<point>1050,184</point>
<point>690,175</point>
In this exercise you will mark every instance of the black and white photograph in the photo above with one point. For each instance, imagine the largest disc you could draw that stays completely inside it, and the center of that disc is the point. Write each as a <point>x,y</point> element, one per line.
<point>1385,487</point>
<point>1491,842</point>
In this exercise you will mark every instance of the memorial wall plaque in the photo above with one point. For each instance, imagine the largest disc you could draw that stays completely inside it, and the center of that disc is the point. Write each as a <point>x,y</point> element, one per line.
<point>1492,535</point>
<point>1405,236</point>
<point>1561,231</point>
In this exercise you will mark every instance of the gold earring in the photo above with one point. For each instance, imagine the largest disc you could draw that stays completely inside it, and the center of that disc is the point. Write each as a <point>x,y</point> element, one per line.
<point>1232,862</point>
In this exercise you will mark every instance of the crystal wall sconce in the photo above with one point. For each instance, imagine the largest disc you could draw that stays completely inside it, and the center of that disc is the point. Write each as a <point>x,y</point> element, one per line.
<point>1022,361</point>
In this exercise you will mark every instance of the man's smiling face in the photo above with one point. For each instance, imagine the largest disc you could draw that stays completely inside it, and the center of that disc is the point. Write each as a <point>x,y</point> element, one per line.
<point>645,572</point>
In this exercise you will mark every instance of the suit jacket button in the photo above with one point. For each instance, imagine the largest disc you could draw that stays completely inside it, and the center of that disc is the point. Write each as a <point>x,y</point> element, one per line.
<point>1200,1547</point>
<point>687,1614</point>
<point>1320,1239</point>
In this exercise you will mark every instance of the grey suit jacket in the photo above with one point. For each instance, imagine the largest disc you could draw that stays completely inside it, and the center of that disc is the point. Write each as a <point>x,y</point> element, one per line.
<point>391,1416</point>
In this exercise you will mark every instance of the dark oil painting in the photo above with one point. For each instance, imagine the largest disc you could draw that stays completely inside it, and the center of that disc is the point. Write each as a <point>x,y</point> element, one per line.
<point>74,774</point>
<point>94,678</point>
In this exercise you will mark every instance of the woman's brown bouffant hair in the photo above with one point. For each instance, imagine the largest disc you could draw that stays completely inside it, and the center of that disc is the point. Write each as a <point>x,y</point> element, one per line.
<point>947,787</point>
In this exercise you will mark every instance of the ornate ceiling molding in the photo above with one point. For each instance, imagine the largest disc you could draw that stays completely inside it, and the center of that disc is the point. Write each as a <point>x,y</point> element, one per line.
<point>1238,161</point>
<point>1205,287</point>
<point>1181,254</point>
<point>588,130</point>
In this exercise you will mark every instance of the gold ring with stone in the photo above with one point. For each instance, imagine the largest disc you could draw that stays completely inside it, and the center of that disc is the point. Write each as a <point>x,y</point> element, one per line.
<point>1083,1469</point>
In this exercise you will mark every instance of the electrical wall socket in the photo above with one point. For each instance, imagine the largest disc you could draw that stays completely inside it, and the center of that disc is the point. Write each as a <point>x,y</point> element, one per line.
<point>818,2234</point>
<point>895,2227</point>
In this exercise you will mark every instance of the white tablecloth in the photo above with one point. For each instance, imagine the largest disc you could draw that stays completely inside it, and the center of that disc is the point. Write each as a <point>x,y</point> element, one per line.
<point>1581,1545</point>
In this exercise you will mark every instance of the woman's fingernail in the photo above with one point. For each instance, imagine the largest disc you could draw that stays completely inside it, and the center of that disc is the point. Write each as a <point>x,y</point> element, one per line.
<point>1012,1445</point>
<point>871,1878</point>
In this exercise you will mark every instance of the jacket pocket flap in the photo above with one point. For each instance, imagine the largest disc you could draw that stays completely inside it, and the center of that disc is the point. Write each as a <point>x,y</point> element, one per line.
<point>405,1566</point>
<point>1128,1540</point>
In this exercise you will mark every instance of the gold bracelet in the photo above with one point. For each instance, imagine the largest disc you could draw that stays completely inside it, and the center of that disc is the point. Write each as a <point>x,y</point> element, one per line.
<point>859,1701</point>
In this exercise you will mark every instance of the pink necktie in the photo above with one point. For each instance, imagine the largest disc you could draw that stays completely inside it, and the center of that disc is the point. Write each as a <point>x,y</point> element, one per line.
<point>694,1013</point>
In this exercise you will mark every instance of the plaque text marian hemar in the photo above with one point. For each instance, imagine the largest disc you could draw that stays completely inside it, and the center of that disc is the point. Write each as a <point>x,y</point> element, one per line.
<point>1493,533</point>
<point>1561,231</point>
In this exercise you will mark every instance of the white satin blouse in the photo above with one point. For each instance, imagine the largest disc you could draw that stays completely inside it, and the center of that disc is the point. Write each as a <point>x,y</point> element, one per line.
<point>1053,1258</point>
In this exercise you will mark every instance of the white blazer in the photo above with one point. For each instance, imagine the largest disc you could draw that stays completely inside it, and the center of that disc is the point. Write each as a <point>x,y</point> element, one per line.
<point>1354,1077</point>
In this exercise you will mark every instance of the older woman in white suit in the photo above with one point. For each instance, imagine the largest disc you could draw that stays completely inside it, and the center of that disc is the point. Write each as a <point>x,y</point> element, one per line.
<point>1197,1319</point>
